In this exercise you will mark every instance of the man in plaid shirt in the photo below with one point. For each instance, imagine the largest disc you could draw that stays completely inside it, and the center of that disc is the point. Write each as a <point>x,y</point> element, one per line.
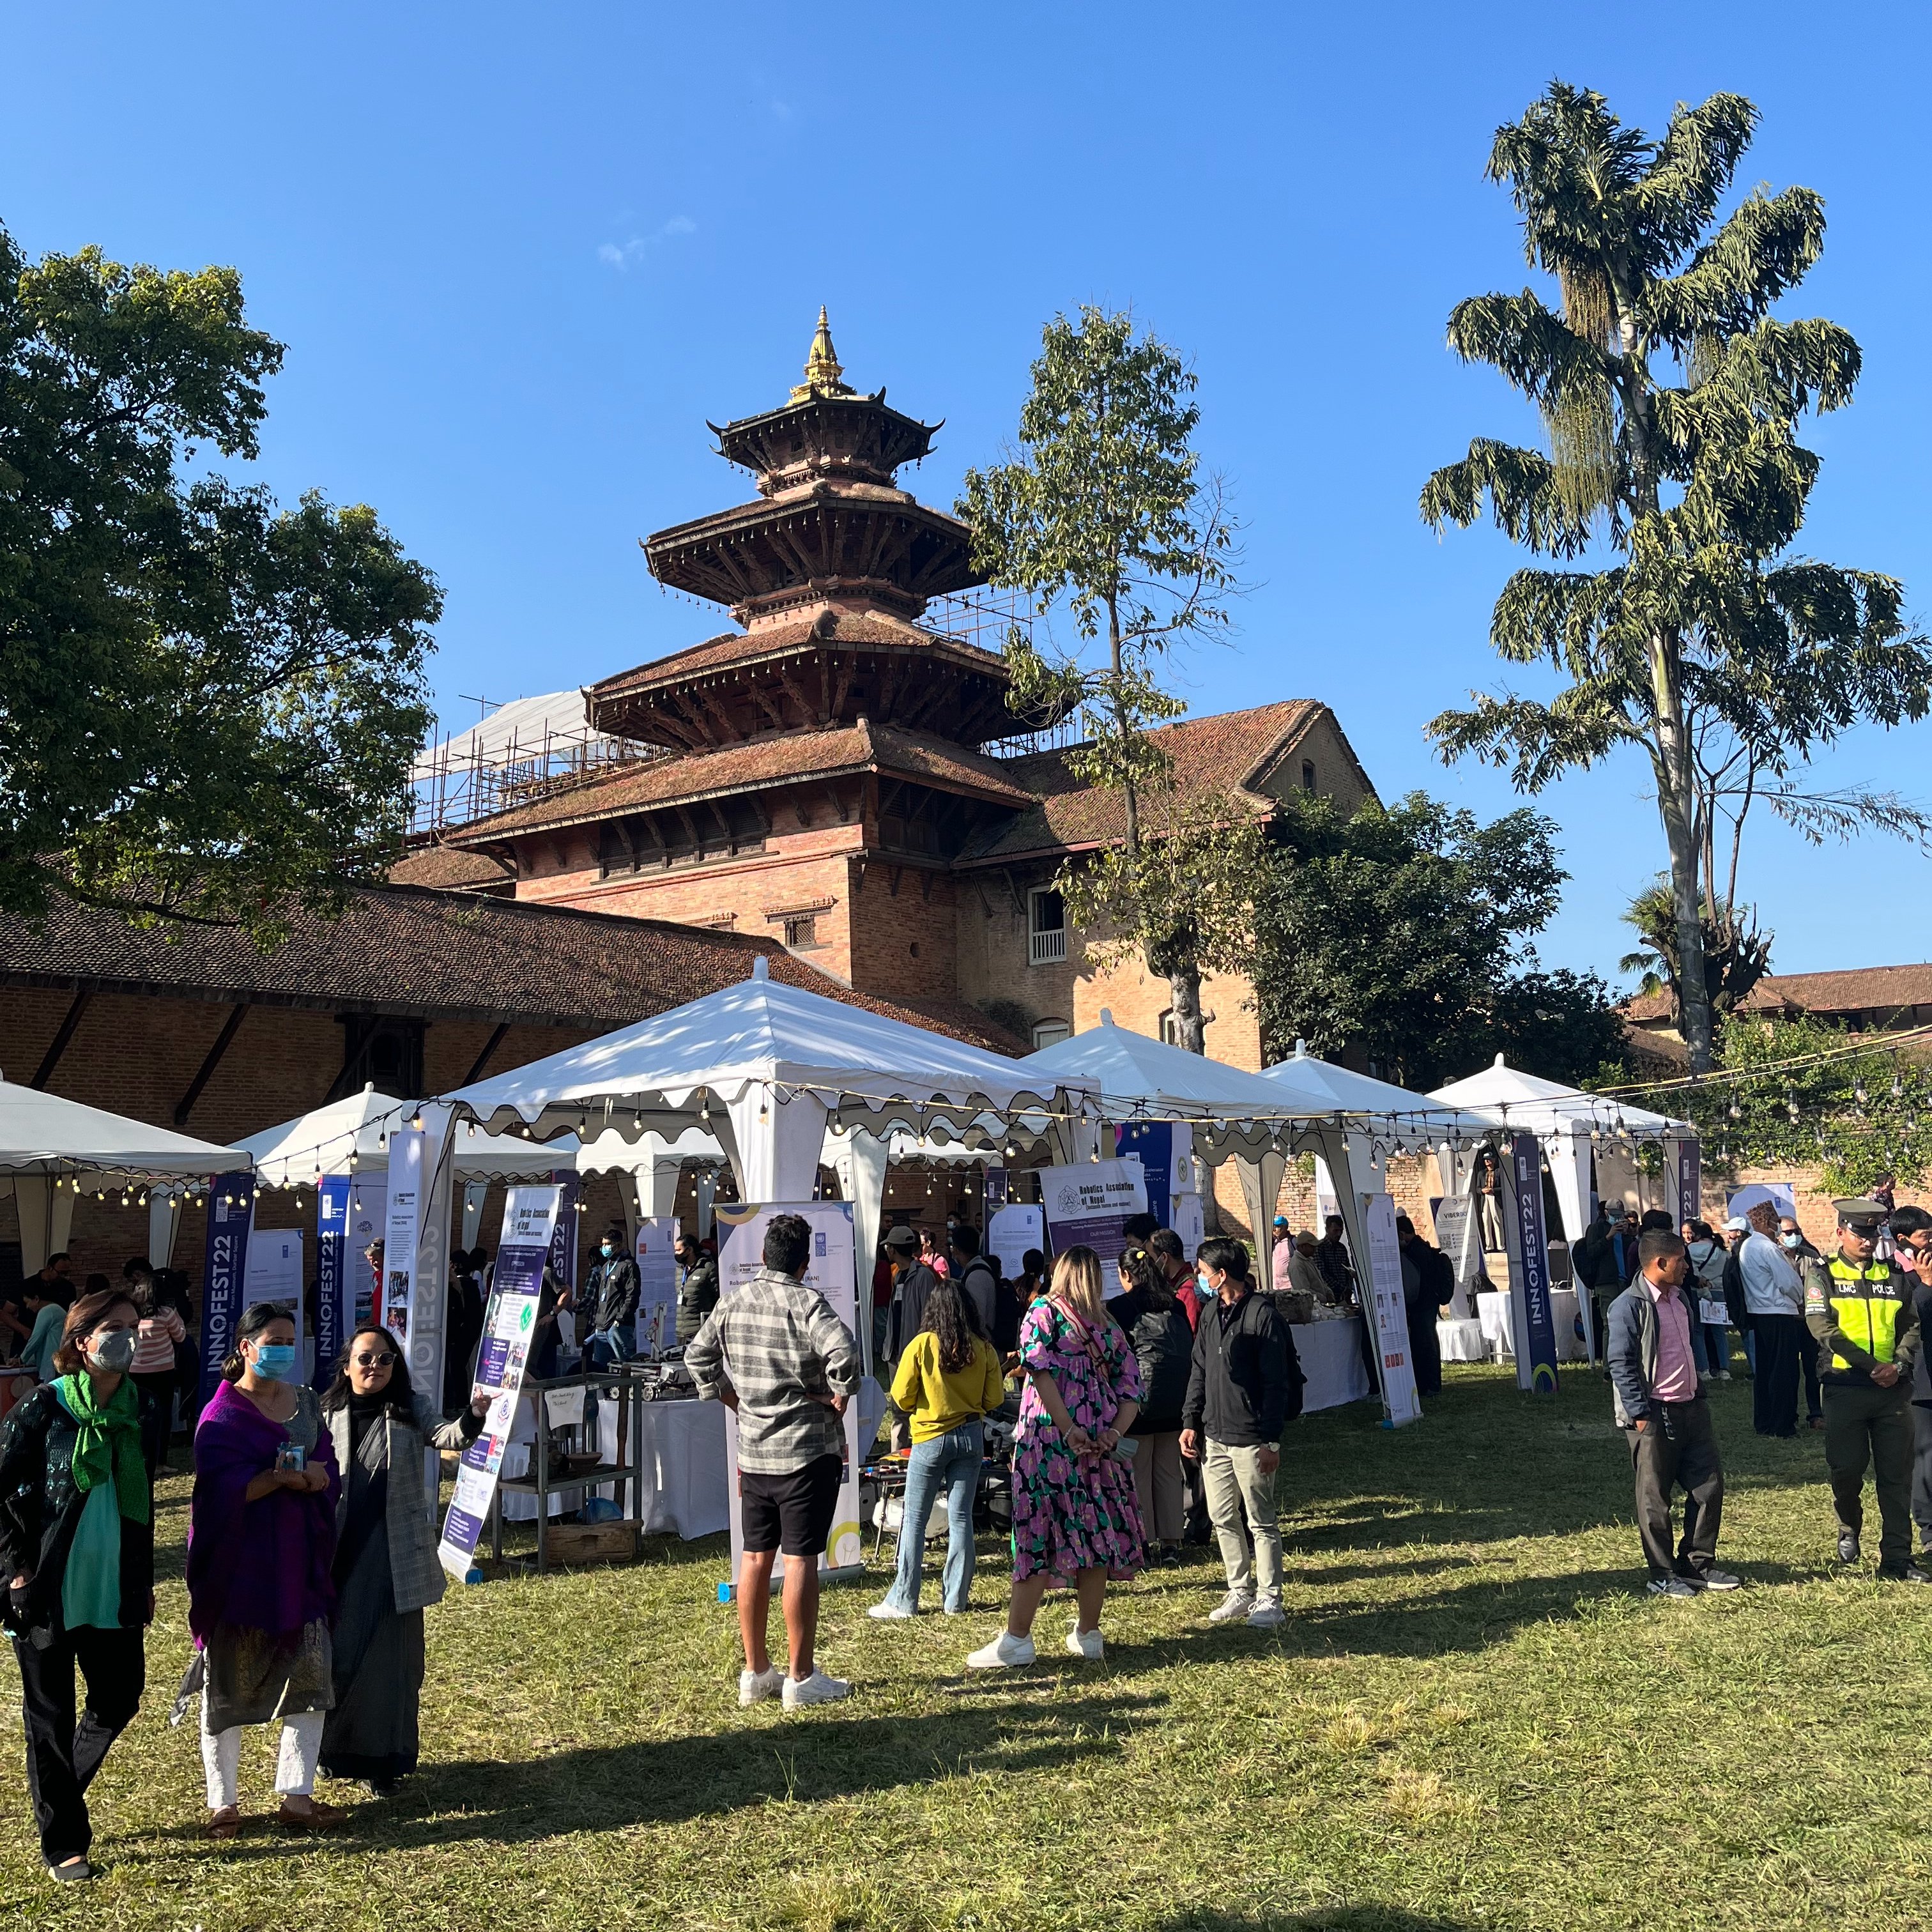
<point>773,1351</point>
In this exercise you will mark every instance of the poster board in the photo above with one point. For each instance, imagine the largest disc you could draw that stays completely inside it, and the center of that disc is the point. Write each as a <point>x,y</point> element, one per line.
<point>509,1324</point>
<point>656,1254</point>
<point>1529,1255</point>
<point>831,1269</point>
<point>274,1271</point>
<point>407,1148</point>
<point>1010,1232</point>
<point>1390,1311</point>
<point>1088,1204</point>
<point>1460,1237</point>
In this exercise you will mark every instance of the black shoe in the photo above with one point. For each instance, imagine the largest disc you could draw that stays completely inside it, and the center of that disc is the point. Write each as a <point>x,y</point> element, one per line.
<point>1848,1546</point>
<point>78,1873</point>
<point>1905,1573</point>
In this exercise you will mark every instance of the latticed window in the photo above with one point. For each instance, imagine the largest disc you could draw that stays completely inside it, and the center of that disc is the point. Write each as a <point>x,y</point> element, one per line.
<point>801,931</point>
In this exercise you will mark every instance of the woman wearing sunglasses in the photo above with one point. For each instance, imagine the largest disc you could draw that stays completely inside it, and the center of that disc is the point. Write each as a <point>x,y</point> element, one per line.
<point>386,1572</point>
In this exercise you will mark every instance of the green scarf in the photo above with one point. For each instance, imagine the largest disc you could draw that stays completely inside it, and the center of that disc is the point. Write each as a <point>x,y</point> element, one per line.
<point>109,1439</point>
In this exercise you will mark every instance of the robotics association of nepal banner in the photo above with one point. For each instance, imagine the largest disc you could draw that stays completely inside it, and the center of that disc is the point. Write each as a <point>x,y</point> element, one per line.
<point>530,1216</point>
<point>1391,1311</point>
<point>831,1268</point>
<point>1089,1205</point>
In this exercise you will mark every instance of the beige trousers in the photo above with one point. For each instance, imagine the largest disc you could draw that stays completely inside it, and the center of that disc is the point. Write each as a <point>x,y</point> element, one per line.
<point>1157,1487</point>
<point>1240,1500</point>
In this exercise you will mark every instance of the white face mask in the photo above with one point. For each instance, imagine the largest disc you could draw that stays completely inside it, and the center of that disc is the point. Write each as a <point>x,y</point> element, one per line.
<point>1790,1240</point>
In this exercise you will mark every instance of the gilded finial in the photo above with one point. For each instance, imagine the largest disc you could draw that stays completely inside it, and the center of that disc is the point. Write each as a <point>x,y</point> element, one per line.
<point>822,368</point>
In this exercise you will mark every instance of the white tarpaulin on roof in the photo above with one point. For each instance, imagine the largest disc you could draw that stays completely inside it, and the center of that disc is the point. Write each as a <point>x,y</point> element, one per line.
<point>322,1141</point>
<point>517,729</point>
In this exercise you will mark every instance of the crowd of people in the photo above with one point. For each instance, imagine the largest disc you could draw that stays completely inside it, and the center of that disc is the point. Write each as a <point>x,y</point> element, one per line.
<point>1142,1421</point>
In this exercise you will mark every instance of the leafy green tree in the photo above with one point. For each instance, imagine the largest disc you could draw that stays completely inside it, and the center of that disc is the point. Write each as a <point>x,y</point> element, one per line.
<point>207,707</point>
<point>1671,397</point>
<point>1401,934</point>
<point>1858,1112</point>
<point>1103,508</point>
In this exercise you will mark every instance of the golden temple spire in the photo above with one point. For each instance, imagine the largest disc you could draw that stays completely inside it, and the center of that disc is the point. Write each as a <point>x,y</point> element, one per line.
<point>822,368</point>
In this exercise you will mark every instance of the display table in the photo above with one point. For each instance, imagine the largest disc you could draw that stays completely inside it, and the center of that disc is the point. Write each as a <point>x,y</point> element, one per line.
<point>1492,1314</point>
<point>681,1489</point>
<point>1332,1360</point>
<point>1463,1340</point>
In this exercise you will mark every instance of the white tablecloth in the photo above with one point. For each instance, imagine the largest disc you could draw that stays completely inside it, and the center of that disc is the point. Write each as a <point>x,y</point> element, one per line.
<point>1492,1312</point>
<point>1332,1360</point>
<point>682,1489</point>
<point>1463,1341</point>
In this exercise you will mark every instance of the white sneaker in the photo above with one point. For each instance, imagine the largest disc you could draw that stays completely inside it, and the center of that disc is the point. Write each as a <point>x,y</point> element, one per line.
<point>755,1686</point>
<point>1267,1615</point>
<point>888,1611</point>
<point>1237,1603</point>
<point>1086,1643</point>
<point>1005,1652</point>
<point>817,1689</point>
<point>1723,1374</point>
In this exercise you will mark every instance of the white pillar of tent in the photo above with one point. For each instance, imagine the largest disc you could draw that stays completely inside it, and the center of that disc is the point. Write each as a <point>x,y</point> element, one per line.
<point>1568,1153</point>
<point>475,1192</point>
<point>1338,1151</point>
<point>777,1138</point>
<point>859,1159</point>
<point>163,1223</point>
<point>45,1212</point>
<point>1261,1177</point>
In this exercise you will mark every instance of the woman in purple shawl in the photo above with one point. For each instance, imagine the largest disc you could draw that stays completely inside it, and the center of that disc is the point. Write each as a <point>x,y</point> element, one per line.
<point>261,1539</point>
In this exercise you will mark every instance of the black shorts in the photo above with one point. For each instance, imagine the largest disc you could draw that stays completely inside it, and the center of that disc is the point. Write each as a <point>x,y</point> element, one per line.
<point>792,1512</point>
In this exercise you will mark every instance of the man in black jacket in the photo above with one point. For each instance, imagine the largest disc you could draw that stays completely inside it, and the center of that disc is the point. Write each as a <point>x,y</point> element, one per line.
<point>696,1287</point>
<point>1237,1403</point>
<point>612,1300</point>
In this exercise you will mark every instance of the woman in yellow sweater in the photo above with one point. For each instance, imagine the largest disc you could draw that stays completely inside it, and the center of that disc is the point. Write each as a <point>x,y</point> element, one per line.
<point>948,1377</point>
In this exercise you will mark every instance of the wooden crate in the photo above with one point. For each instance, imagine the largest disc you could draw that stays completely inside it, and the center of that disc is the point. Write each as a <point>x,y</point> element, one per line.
<point>590,1542</point>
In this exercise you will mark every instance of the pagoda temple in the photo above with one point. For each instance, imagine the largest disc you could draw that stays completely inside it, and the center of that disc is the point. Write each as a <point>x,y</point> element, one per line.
<point>818,774</point>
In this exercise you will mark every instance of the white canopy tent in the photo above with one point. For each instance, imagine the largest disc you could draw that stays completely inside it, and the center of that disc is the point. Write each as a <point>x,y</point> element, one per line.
<point>769,1073</point>
<point>46,1142</point>
<point>351,1135</point>
<point>1571,1125</point>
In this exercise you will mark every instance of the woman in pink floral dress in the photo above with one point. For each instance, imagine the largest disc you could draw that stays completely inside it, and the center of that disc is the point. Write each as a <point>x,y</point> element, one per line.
<point>1075,1521</point>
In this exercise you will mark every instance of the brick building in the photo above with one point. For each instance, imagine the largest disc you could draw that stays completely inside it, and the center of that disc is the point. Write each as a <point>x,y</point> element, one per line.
<point>838,777</point>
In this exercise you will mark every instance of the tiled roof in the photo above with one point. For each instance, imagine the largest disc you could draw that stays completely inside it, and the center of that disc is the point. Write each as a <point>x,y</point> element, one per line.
<point>1881,989</point>
<point>409,951</point>
<point>442,866</point>
<point>1230,751</point>
<point>760,762</point>
<point>747,647</point>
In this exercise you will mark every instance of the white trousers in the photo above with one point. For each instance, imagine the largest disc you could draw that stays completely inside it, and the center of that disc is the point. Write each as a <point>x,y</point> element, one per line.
<point>294,1769</point>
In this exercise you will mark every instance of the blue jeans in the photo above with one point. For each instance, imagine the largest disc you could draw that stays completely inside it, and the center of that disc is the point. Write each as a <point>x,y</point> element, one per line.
<point>953,1460</point>
<point>607,1346</point>
<point>1717,1346</point>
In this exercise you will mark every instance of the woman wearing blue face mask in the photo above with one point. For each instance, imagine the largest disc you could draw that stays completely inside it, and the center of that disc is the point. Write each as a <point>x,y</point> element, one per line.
<point>77,1540</point>
<point>261,1540</point>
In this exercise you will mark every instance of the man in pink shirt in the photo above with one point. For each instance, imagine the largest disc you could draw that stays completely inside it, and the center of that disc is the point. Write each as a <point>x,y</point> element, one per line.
<point>1660,1400</point>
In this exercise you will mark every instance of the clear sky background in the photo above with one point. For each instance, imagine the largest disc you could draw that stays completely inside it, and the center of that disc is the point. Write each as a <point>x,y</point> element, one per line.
<point>520,254</point>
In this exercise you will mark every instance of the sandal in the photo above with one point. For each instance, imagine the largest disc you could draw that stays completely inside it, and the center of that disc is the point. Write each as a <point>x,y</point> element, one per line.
<point>319,1817</point>
<point>225,1823</point>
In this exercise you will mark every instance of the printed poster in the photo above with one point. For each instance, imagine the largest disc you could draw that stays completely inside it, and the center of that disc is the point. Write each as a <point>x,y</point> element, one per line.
<point>1089,1205</point>
<point>274,1271</point>
<point>1391,1313</point>
<point>1010,1232</point>
<point>406,1181</point>
<point>830,1268</point>
<point>509,1323</point>
<point>333,1194</point>
<point>656,1255</point>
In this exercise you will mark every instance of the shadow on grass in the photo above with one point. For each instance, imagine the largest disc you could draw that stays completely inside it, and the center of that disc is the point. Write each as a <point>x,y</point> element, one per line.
<point>1340,1918</point>
<point>824,1756</point>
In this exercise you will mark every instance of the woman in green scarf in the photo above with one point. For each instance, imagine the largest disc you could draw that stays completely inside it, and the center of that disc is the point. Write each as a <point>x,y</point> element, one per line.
<point>77,1550</point>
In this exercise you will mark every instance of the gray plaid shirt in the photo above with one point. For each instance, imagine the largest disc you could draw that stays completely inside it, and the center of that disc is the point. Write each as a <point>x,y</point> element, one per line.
<point>779,1345</point>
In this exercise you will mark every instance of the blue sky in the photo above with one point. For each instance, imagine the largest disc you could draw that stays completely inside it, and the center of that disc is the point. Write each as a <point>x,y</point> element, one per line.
<point>519,255</point>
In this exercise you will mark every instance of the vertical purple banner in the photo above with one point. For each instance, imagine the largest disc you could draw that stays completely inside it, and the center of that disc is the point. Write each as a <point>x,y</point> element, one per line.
<point>231,1209</point>
<point>530,1216</point>
<point>564,1241</point>
<point>331,1272</point>
<point>1154,1142</point>
<point>1687,1164</point>
<point>1526,1173</point>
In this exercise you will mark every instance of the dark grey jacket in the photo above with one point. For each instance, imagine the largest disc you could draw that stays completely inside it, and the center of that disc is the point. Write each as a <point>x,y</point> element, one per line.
<point>1239,1385</point>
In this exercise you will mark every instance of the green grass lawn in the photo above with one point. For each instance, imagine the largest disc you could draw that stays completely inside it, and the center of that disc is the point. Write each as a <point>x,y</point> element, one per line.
<point>1473,1717</point>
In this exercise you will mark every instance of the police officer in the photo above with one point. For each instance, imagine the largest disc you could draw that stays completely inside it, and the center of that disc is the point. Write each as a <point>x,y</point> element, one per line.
<point>1862,1312</point>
